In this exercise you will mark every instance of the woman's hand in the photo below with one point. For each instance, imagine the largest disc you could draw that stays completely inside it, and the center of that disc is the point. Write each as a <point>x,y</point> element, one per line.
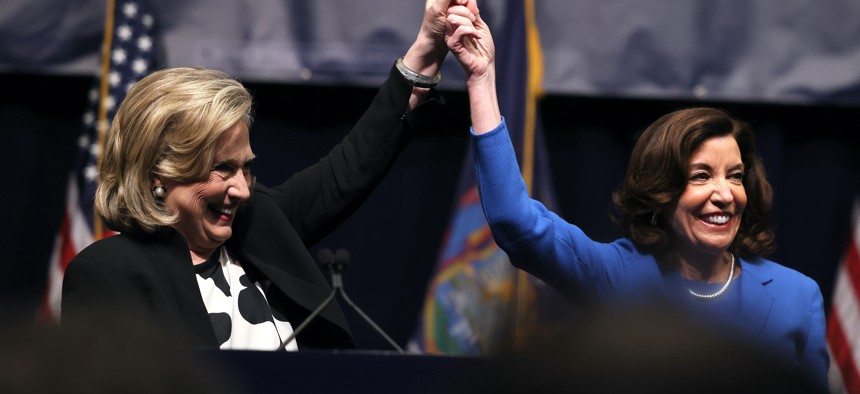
<point>427,53</point>
<point>469,39</point>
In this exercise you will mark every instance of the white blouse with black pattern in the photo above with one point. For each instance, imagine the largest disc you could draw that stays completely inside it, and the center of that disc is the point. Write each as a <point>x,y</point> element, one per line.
<point>238,309</point>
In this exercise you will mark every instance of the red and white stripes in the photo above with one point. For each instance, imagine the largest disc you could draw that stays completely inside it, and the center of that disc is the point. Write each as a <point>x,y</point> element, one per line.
<point>843,323</point>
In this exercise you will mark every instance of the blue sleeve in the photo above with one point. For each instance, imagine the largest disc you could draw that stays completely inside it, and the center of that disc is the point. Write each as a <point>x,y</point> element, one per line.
<point>815,359</point>
<point>536,239</point>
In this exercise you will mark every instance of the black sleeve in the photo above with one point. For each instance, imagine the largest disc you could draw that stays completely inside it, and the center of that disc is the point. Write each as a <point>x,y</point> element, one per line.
<point>320,197</point>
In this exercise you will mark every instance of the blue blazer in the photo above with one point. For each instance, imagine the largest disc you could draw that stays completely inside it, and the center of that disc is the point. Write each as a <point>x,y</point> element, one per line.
<point>779,308</point>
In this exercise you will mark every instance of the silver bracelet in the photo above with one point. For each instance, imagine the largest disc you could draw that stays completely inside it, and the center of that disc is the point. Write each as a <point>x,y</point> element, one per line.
<point>417,80</point>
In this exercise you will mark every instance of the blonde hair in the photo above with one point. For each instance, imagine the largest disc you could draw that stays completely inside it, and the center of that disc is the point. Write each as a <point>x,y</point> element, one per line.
<point>167,126</point>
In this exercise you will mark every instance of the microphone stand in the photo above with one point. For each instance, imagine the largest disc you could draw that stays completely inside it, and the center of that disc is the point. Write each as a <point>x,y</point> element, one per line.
<point>309,318</point>
<point>336,264</point>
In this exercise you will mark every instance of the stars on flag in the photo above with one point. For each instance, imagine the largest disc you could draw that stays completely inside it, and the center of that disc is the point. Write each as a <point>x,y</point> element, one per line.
<point>130,59</point>
<point>131,50</point>
<point>129,9</point>
<point>144,43</point>
<point>123,32</point>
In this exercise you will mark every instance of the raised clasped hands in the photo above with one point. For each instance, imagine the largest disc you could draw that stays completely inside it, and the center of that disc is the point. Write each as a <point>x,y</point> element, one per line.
<point>427,53</point>
<point>468,38</point>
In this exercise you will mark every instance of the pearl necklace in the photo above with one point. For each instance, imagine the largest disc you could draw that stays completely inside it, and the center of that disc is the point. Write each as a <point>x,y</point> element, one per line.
<point>722,290</point>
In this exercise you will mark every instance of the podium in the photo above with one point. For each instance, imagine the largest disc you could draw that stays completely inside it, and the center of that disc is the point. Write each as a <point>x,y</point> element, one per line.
<point>343,371</point>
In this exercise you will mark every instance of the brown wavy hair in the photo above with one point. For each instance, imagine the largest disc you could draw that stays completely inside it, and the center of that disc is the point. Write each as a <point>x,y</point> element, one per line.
<point>657,175</point>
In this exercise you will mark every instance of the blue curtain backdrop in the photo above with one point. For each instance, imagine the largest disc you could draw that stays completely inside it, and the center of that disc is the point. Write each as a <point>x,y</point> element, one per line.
<point>787,51</point>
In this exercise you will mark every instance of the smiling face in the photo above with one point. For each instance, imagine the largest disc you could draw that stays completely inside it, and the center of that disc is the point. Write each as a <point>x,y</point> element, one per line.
<point>206,208</point>
<point>707,215</point>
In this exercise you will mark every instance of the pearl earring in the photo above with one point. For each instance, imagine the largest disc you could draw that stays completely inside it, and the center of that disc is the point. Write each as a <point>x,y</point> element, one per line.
<point>158,192</point>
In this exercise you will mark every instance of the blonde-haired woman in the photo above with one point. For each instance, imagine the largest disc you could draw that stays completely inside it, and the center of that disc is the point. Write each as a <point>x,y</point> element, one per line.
<point>206,252</point>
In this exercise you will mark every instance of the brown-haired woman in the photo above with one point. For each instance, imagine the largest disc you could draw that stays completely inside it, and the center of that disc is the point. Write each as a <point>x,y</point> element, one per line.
<point>694,205</point>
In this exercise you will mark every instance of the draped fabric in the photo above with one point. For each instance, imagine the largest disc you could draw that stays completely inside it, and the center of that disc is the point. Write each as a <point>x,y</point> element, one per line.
<point>788,51</point>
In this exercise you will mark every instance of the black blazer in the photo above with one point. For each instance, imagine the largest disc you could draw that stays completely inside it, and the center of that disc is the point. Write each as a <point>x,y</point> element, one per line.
<point>153,274</point>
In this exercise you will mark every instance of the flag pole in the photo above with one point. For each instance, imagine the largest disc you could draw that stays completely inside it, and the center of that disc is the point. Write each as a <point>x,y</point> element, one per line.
<point>534,89</point>
<point>524,314</point>
<point>102,124</point>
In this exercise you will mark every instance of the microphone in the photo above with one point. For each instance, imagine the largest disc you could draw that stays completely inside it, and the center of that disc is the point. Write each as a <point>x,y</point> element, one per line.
<point>324,257</point>
<point>335,263</point>
<point>341,259</point>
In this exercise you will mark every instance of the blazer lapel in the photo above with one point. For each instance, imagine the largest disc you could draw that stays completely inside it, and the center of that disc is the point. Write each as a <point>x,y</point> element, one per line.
<point>174,260</point>
<point>756,300</point>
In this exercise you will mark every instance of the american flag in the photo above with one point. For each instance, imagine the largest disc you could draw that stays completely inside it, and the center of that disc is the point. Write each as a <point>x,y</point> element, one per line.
<point>127,56</point>
<point>843,323</point>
